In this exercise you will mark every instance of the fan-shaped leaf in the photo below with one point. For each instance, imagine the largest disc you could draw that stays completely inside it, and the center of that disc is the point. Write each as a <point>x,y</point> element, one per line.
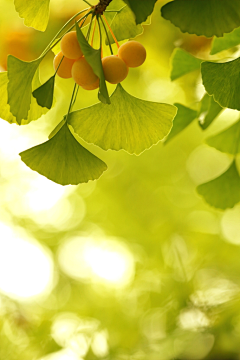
<point>183,63</point>
<point>20,76</point>
<point>124,26</point>
<point>141,8</point>
<point>44,94</point>
<point>210,109</point>
<point>226,42</point>
<point>222,80</point>
<point>224,191</point>
<point>203,17</point>
<point>93,57</point>
<point>184,118</point>
<point>35,111</point>
<point>227,141</point>
<point>128,123</point>
<point>64,160</point>
<point>35,13</point>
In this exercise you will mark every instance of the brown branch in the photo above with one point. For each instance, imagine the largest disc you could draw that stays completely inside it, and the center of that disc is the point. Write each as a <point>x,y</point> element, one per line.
<point>101,6</point>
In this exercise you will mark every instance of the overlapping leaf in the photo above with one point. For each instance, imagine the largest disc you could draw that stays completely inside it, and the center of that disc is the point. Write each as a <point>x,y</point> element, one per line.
<point>226,42</point>
<point>35,13</point>
<point>222,80</point>
<point>224,191</point>
<point>227,141</point>
<point>141,8</point>
<point>44,93</point>
<point>64,160</point>
<point>124,26</point>
<point>128,123</point>
<point>203,17</point>
<point>210,109</point>
<point>184,117</point>
<point>20,76</point>
<point>183,63</point>
<point>35,111</point>
<point>93,57</point>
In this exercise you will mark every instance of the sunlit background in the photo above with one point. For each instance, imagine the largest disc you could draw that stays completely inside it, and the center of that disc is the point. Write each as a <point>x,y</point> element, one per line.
<point>134,266</point>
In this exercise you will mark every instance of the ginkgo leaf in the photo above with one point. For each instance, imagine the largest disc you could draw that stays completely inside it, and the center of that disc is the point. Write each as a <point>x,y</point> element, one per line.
<point>94,59</point>
<point>35,13</point>
<point>227,141</point>
<point>209,111</point>
<point>44,94</point>
<point>226,42</point>
<point>222,80</point>
<point>203,17</point>
<point>20,76</point>
<point>128,123</point>
<point>224,191</point>
<point>124,26</point>
<point>57,128</point>
<point>35,111</point>
<point>141,8</point>
<point>183,63</point>
<point>64,160</point>
<point>184,117</point>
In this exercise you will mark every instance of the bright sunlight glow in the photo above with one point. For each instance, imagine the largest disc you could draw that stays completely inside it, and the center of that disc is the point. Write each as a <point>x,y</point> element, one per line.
<point>26,268</point>
<point>108,261</point>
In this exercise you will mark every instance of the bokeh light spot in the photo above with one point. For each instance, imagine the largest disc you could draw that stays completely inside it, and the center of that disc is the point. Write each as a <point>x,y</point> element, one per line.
<point>26,268</point>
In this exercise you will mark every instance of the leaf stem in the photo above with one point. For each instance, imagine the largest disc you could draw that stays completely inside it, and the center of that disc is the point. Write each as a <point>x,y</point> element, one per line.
<point>84,17</point>
<point>58,66</point>
<point>115,11</point>
<point>72,100</point>
<point>90,28</point>
<point>59,32</point>
<point>100,33</point>
<point>114,37</point>
<point>88,3</point>
<point>95,23</point>
<point>109,43</point>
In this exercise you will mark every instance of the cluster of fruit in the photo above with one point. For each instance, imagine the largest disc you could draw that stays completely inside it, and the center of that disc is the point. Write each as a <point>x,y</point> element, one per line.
<point>70,62</point>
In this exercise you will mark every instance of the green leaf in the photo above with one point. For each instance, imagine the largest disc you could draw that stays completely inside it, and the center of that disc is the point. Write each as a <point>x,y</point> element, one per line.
<point>64,160</point>
<point>222,80</point>
<point>128,123</point>
<point>184,118</point>
<point>35,111</point>
<point>210,109</point>
<point>44,94</point>
<point>35,13</point>
<point>141,8</point>
<point>203,17</point>
<point>20,76</point>
<point>227,141</point>
<point>224,191</point>
<point>183,63</point>
<point>226,42</point>
<point>94,59</point>
<point>124,26</point>
<point>57,128</point>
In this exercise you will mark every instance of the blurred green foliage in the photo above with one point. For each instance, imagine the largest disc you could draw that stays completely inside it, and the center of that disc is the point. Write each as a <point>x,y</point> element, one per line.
<point>134,266</point>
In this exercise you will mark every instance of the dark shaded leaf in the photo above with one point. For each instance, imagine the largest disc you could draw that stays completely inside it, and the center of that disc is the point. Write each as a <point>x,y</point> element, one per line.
<point>224,191</point>
<point>210,109</point>
<point>44,94</point>
<point>183,63</point>
<point>203,17</point>
<point>222,80</point>
<point>184,117</point>
<point>227,141</point>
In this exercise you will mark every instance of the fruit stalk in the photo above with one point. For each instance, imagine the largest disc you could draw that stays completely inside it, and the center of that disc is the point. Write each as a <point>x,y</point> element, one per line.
<point>101,6</point>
